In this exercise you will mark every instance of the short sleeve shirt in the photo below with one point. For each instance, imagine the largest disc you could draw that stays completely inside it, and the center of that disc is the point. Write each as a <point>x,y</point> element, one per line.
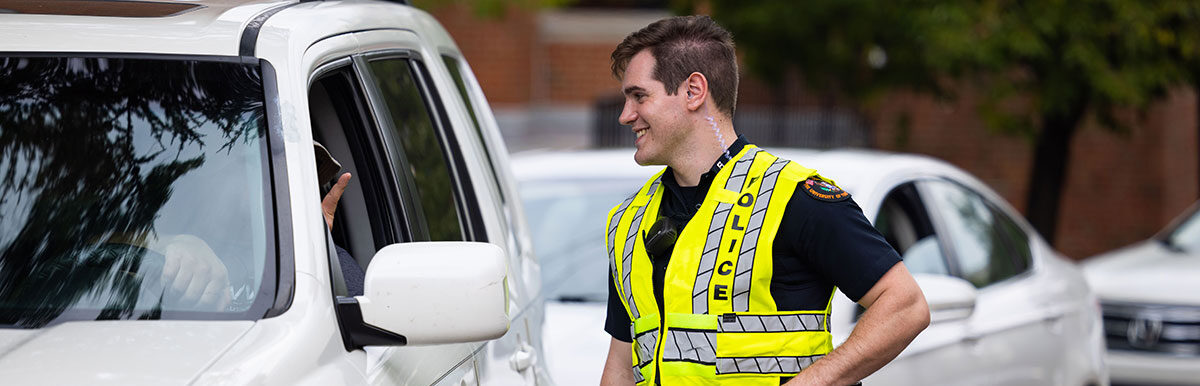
<point>820,245</point>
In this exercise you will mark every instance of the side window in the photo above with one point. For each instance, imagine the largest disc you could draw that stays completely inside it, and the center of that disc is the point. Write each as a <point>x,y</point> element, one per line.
<point>456,71</point>
<point>367,217</point>
<point>417,148</point>
<point>1017,239</point>
<point>905,224</point>
<point>977,235</point>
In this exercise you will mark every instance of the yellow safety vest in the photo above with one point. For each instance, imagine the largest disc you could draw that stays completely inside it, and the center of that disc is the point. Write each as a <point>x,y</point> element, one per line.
<point>720,324</point>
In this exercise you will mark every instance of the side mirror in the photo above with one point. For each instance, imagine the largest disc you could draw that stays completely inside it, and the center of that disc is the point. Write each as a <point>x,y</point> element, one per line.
<point>429,293</point>
<point>949,298</point>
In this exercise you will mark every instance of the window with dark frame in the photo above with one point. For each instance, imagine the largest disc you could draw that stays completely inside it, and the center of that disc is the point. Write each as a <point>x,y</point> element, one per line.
<point>982,251</point>
<point>455,67</point>
<point>419,147</point>
<point>905,224</point>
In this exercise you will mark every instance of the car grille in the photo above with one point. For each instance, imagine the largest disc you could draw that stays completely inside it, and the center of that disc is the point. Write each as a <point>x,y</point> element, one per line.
<point>1173,330</point>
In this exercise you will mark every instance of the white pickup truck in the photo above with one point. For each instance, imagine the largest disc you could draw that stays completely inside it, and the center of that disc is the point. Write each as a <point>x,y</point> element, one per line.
<point>161,217</point>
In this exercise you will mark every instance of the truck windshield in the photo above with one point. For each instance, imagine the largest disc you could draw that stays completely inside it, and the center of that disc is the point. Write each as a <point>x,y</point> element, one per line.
<point>1186,235</point>
<point>132,189</point>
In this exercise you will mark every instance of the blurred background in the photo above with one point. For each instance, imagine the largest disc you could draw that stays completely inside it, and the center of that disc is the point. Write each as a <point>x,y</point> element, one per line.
<point>1082,114</point>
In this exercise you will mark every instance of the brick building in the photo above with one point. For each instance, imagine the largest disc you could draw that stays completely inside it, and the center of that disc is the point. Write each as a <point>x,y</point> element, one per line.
<point>544,73</point>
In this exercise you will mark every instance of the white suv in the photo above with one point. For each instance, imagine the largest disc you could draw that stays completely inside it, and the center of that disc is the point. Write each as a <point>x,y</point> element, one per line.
<point>1151,299</point>
<point>161,212</point>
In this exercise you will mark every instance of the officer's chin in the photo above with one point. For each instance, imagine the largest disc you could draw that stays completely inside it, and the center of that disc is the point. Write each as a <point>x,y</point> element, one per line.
<point>644,159</point>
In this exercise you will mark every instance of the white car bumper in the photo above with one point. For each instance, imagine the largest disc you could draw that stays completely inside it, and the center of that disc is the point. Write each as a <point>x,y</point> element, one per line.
<point>1126,366</point>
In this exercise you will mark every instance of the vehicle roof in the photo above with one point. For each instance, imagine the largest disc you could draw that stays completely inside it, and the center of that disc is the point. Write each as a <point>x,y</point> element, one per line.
<point>856,170</point>
<point>214,27</point>
<point>868,175</point>
<point>211,27</point>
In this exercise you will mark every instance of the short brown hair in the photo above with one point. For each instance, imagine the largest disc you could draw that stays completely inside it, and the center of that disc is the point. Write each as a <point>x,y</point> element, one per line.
<point>682,45</point>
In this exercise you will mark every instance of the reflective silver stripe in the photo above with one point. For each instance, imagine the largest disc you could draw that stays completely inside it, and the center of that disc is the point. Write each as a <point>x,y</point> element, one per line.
<point>645,346</point>
<point>745,262</point>
<point>613,222</point>
<point>740,169</point>
<point>696,346</point>
<point>771,323</point>
<point>627,259</point>
<point>612,233</point>
<point>765,365</point>
<point>708,258</point>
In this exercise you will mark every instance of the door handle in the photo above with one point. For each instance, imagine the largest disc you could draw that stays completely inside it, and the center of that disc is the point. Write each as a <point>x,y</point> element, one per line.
<point>971,344</point>
<point>523,358</point>
<point>1054,323</point>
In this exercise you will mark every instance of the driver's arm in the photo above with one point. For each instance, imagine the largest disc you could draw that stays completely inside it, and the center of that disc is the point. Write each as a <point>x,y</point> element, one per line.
<point>193,274</point>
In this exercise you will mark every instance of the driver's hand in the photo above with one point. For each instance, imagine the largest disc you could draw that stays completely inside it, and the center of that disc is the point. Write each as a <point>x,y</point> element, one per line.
<point>330,202</point>
<point>193,274</point>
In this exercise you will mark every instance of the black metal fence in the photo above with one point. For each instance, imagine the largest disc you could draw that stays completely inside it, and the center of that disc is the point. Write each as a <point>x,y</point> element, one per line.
<point>765,126</point>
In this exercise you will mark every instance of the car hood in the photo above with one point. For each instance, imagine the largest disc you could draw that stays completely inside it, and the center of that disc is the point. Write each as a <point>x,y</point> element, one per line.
<point>1146,272</point>
<point>115,352</point>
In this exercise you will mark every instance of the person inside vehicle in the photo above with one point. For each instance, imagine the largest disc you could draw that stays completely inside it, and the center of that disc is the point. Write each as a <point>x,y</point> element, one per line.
<point>327,168</point>
<point>194,277</point>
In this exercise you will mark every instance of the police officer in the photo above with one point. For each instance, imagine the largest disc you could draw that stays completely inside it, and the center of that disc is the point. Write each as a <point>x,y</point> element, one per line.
<point>723,265</point>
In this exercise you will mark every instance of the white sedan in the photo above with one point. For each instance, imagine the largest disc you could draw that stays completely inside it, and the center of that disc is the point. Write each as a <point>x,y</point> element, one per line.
<point>1150,293</point>
<point>1006,308</point>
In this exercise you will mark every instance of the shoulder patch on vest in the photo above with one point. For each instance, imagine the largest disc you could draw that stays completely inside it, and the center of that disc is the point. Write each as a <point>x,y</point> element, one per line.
<point>824,191</point>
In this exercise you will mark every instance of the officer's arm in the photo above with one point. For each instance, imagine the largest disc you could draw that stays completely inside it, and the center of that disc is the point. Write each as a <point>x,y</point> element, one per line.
<point>896,313</point>
<point>617,369</point>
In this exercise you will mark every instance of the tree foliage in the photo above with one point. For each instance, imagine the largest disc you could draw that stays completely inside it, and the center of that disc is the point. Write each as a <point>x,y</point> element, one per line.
<point>1042,67</point>
<point>836,46</point>
<point>72,173</point>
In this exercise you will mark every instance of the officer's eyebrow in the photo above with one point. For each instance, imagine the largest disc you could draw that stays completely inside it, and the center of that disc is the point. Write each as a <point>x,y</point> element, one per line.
<point>632,89</point>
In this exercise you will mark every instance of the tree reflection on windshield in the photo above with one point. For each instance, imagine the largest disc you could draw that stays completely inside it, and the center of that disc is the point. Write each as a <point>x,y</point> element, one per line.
<point>89,151</point>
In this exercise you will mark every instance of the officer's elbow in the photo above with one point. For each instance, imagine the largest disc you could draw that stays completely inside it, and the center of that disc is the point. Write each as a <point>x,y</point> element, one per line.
<point>920,313</point>
<point>916,310</point>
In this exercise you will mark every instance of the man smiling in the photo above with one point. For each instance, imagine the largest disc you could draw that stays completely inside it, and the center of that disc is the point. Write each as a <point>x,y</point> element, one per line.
<point>724,264</point>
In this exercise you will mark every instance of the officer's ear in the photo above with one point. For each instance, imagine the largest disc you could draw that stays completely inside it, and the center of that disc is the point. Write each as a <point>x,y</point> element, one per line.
<point>695,90</point>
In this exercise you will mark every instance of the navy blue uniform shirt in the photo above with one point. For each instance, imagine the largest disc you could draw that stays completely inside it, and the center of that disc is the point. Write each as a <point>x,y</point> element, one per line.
<point>819,245</point>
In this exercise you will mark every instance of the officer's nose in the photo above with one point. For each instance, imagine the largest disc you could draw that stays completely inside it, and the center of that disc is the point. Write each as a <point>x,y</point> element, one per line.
<point>628,114</point>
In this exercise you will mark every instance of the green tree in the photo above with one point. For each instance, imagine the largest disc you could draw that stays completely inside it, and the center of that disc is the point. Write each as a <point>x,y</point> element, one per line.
<point>1061,61</point>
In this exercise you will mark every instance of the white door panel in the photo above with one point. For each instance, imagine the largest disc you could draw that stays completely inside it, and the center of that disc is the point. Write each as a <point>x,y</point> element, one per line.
<point>1015,339</point>
<point>514,359</point>
<point>936,357</point>
<point>418,365</point>
<point>463,375</point>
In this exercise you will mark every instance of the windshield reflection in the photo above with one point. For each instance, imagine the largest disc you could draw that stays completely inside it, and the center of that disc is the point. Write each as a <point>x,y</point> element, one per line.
<point>93,153</point>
